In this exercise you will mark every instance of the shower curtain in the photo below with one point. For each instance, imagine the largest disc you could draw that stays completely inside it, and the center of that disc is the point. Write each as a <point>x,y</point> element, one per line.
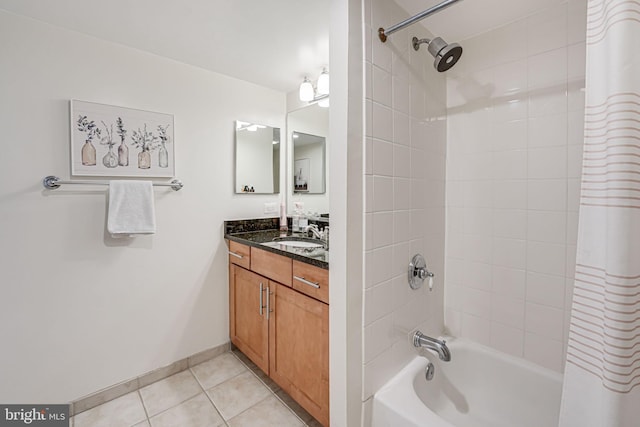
<point>602,372</point>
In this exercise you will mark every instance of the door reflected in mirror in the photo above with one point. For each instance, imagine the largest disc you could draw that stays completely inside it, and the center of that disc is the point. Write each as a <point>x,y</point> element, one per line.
<point>308,163</point>
<point>257,159</point>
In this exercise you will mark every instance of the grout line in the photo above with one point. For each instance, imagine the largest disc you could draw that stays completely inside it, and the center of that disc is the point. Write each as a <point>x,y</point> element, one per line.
<point>270,390</point>
<point>143,406</point>
<point>207,394</point>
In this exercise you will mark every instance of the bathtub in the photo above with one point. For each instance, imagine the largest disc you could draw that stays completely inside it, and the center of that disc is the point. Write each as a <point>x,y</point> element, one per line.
<point>479,387</point>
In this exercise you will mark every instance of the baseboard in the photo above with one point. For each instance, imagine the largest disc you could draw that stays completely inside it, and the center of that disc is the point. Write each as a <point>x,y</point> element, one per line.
<point>113,392</point>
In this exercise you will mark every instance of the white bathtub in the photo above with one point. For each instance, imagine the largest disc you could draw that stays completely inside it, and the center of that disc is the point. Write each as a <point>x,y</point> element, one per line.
<point>479,387</point>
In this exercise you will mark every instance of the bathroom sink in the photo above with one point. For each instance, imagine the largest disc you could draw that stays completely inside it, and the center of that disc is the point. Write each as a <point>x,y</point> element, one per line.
<point>297,242</point>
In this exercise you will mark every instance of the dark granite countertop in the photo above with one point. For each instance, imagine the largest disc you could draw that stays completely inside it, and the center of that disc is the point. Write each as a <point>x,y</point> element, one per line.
<point>256,238</point>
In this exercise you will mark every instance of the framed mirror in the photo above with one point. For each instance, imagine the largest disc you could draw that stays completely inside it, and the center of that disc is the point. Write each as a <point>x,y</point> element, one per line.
<point>307,154</point>
<point>309,163</point>
<point>257,159</point>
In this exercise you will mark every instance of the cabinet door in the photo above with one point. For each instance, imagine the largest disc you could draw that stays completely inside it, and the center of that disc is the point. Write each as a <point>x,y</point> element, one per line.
<point>248,322</point>
<point>299,349</point>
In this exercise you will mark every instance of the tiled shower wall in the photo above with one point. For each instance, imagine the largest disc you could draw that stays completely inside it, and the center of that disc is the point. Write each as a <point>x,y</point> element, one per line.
<point>515,125</point>
<point>405,149</point>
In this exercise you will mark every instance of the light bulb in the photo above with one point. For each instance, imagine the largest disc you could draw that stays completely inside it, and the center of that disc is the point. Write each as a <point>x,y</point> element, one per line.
<point>323,83</point>
<point>306,90</point>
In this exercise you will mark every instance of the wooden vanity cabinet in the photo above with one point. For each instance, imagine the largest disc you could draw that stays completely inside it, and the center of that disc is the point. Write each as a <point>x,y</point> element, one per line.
<point>248,323</point>
<point>299,349</point>
<point>283,327</point>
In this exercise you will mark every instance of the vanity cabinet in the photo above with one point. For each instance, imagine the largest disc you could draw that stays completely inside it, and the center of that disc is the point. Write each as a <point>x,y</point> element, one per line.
<point>279,318</point>
<point>248,322</point>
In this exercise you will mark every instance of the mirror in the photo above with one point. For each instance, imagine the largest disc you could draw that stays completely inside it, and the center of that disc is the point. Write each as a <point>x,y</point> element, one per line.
<point>307,172</point>
<point>257,159</point>
<point>308,163</point>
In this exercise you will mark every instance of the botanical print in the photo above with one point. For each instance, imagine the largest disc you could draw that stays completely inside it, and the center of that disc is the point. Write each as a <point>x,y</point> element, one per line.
<point>114,141</point>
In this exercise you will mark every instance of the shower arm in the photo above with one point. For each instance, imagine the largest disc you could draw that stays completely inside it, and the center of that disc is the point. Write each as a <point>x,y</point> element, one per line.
<point>382,33</point>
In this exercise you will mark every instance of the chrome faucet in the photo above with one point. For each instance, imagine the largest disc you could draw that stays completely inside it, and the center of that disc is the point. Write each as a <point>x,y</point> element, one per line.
<point>322,235</point>
<point>439,346</point>
<point>314,230</point>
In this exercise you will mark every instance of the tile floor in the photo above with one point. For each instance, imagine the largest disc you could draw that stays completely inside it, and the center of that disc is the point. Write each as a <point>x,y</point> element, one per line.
<point>228,390</point>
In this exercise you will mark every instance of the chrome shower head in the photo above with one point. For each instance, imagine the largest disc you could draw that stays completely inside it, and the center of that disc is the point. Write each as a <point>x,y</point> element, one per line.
<point>446,55</point>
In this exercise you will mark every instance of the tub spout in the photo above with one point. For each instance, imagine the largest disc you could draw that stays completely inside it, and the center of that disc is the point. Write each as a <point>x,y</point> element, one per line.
<point>439,346</point>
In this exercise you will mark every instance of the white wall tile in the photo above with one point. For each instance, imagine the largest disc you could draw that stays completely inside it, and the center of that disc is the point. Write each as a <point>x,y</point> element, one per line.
<point>509,282</point>
<point>514,138</point>
<point>401,194</point>
<point>547,131</point>
<point>401,129</point>
<point>547,30</point>
<point>545,289</point>
<point>508,311</point>
<point>510,253</point>
<point>510,194</point>
<point>382,193</point>
<point>511,135</point>
<point>510,223</point>
<point>547,226</point>
<point>577,21</point>
<point>402,229</point>
<point>544,351</point>
<point>401,158</point>
<point>507,339</point>
<point>548,71</point>
<point>510,164</point>
<point>382,229</point>
<point>510,79</point>
<point>382,127</point>
<point>547,194</point>
<point>401,95</point>
<point>509,42</point>
<point>546,258</point>
<point>382,157</point>
<point>544,321</point>
<point>476,328</point>
<point>382,92</point>
<point>477,275</point>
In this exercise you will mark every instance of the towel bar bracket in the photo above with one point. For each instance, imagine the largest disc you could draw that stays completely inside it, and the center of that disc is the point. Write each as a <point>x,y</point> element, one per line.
<point>52,182</point>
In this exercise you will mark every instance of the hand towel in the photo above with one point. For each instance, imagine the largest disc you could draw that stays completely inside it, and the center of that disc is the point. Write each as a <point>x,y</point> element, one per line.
<point>131,209</point>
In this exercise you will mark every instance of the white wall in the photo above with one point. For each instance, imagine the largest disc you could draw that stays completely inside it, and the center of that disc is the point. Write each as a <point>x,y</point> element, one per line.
<point>80,311</point>
<point>405,142</point>
<point>515,119</point>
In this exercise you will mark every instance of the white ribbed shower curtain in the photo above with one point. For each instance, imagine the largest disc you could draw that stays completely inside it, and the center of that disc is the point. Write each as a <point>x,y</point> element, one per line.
<point>602,373</point>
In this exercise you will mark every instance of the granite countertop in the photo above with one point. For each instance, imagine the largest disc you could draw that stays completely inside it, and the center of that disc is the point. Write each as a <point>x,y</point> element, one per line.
<point>317,257</point>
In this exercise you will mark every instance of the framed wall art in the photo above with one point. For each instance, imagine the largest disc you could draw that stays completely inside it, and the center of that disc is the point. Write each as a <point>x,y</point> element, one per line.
<point>115,141</point>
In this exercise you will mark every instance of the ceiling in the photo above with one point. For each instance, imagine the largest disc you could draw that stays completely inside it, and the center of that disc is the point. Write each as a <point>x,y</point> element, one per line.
<point>272,43</point>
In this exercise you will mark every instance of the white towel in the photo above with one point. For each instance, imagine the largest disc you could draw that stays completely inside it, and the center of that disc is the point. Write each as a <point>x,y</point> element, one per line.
<point>131,209</point>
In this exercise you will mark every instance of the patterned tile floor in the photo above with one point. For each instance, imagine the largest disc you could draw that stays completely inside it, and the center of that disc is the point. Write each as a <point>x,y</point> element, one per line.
<point>228,390</point>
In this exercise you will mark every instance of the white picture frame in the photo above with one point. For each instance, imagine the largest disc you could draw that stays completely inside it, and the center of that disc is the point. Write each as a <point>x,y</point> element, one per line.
<point>107,140</point>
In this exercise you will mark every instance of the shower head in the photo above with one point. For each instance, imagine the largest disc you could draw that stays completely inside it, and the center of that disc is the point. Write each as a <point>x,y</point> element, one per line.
<point>446,55</point>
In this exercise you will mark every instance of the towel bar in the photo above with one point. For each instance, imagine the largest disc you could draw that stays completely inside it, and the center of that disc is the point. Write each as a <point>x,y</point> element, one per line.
<point>52,182</point>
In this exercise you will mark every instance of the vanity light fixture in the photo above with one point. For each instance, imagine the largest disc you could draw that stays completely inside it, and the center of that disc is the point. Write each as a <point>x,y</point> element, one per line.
<point>306,90</point>
<point>321,92</point>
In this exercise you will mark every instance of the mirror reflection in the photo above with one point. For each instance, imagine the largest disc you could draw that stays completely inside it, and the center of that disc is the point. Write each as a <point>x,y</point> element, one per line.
<point>257,159</point>
<point>307,153</point>
<point>308,163</point>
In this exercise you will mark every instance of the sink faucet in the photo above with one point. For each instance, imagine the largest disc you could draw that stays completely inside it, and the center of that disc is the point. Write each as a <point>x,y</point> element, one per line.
<point>322,235</point>
<point>314,230</point>
<point>439,346</point>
